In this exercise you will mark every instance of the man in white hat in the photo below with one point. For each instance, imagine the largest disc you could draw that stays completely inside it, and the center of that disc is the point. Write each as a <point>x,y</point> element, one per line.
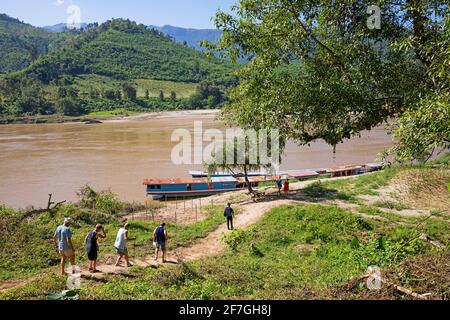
<point>63,243</point>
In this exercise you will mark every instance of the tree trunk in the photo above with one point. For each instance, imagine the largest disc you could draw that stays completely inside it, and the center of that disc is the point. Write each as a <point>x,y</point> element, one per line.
<point>249,185</point>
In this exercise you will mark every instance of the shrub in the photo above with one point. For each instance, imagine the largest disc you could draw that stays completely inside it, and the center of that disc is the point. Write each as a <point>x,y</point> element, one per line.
<point>235,238</point>
<point>107,202</point>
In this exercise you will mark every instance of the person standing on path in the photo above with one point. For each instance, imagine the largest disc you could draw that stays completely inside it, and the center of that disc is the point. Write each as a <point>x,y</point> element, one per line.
<point>92,246</point>
<point>229,214</point>
<point>286,186</point>
<point>160,239</point>
<point>63,243</point>
<point>121,245</point>
<point>279,185</point>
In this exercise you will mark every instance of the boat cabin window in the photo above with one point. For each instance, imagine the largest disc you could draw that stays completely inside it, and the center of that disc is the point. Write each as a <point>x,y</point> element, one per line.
<point>155,187</point>
<point>189,187</point>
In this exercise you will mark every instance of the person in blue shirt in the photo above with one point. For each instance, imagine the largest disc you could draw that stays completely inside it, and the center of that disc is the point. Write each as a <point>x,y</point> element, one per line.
<point>229,214</point>
<point>159,240</point>
<point>63,243</point>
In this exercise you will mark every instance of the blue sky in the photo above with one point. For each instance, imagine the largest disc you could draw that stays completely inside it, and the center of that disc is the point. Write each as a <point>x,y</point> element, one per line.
<point>183,13</point>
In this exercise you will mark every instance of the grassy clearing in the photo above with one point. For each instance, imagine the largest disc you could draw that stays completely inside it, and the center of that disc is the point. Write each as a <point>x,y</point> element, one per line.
<point>88,83</point>
<point>304,251</point>
<point>363,185</point>
<point>296,252</point>
<point>26,246</point>
<point>183,90</point>
<point>423,188</point>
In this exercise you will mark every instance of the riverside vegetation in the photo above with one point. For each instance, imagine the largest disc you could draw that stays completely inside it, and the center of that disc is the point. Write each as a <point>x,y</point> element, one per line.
<point>310,249</point>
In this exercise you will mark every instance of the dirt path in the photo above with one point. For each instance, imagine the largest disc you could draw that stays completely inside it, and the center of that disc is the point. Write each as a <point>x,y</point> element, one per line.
<point>250,214</point>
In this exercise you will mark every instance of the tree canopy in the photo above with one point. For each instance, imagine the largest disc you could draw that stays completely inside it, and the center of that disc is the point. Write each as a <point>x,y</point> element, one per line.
<point>318,70</point>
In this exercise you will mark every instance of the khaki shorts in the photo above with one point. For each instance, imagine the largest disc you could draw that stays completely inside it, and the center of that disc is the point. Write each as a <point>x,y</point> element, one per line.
<point>66,253</point>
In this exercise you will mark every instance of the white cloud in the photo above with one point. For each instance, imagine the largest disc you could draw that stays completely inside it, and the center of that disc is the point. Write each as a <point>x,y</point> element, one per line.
<point>58,2</point>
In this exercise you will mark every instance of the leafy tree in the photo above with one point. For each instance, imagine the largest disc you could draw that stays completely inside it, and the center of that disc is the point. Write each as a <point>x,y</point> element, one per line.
<point>72,92</point>
<point>317,70</point>
<point>195,101</point>
<point>110,94</point>
<point>147,94</point>
<point>212,102</point>
<point>161,95</point>
<point>244,159</point>
<point>173,96</point>
<point>62,92</point>
<point>129,91</point>
<point>69,107</point>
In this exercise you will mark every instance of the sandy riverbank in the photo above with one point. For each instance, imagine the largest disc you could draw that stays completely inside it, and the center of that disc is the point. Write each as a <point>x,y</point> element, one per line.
<point>137,117</point>
<point>165,115</point>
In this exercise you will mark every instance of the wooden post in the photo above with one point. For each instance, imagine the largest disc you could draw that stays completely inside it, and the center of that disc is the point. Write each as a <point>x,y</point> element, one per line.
<point>184,204</point>
<point>200,200</point>
<point>196,215</point>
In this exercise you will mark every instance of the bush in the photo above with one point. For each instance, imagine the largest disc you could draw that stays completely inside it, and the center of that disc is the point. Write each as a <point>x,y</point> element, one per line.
<point>107,202</point>
<point>235,238</point>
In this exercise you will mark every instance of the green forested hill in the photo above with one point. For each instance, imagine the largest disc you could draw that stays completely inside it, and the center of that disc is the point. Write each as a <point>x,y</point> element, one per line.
<point>117,65</point>
<point>122,49</point>
<point>21,43</point>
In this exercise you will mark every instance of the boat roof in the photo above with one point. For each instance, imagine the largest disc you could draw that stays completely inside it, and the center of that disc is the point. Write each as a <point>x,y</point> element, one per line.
<point>175,181</point>
<point>374,164</point>
<point>298,173</point>
<point>344,168</point>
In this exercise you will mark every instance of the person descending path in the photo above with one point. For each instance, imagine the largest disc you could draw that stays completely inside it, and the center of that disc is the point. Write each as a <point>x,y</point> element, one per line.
<point>121,245</point>
<point>159,240</point>
<point>279,185</point>
<point>229,214</point>
<point>92,246</point>
<point>63,243</point>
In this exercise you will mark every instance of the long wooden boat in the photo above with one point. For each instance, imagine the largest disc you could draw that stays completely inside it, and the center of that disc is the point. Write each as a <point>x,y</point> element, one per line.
<point>202,186</point>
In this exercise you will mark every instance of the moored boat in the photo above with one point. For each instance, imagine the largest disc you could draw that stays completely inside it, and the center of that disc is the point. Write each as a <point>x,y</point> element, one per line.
<point>200,185</point>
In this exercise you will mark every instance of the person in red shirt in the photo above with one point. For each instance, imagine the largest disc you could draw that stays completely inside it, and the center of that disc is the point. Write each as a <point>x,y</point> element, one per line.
<point>286,186</point>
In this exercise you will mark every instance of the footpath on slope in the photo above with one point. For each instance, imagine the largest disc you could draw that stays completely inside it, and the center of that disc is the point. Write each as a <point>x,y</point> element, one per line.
<point>250,213</point>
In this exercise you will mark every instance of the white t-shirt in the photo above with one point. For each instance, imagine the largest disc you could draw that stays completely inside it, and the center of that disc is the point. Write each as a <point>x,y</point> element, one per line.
<point>121,243</point>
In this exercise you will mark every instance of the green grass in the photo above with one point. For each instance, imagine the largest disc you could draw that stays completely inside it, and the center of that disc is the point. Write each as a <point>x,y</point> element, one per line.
<point>88,83</point>
<point>294,253</point>
<point>113,113</point>
<point>363,185</point>
<point>183,90</point>
<point>27,248</point>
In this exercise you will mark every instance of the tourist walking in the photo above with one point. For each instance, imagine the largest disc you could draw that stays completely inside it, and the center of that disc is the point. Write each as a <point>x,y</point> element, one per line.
<point>229,214</point>
<point>92,246</point>
<point>279,185</point>
<point>160,241</point>
<point>121,245</point>
<point>63,243</point>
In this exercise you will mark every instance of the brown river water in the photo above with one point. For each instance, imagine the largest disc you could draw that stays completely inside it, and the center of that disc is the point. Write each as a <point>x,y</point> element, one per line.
<point>36,160</point>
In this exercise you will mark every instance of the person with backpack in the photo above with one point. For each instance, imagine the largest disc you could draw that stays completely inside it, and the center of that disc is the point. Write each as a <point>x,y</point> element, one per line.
<point>159,240</point>
<point>229,214</point>
<point>92,246</point>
